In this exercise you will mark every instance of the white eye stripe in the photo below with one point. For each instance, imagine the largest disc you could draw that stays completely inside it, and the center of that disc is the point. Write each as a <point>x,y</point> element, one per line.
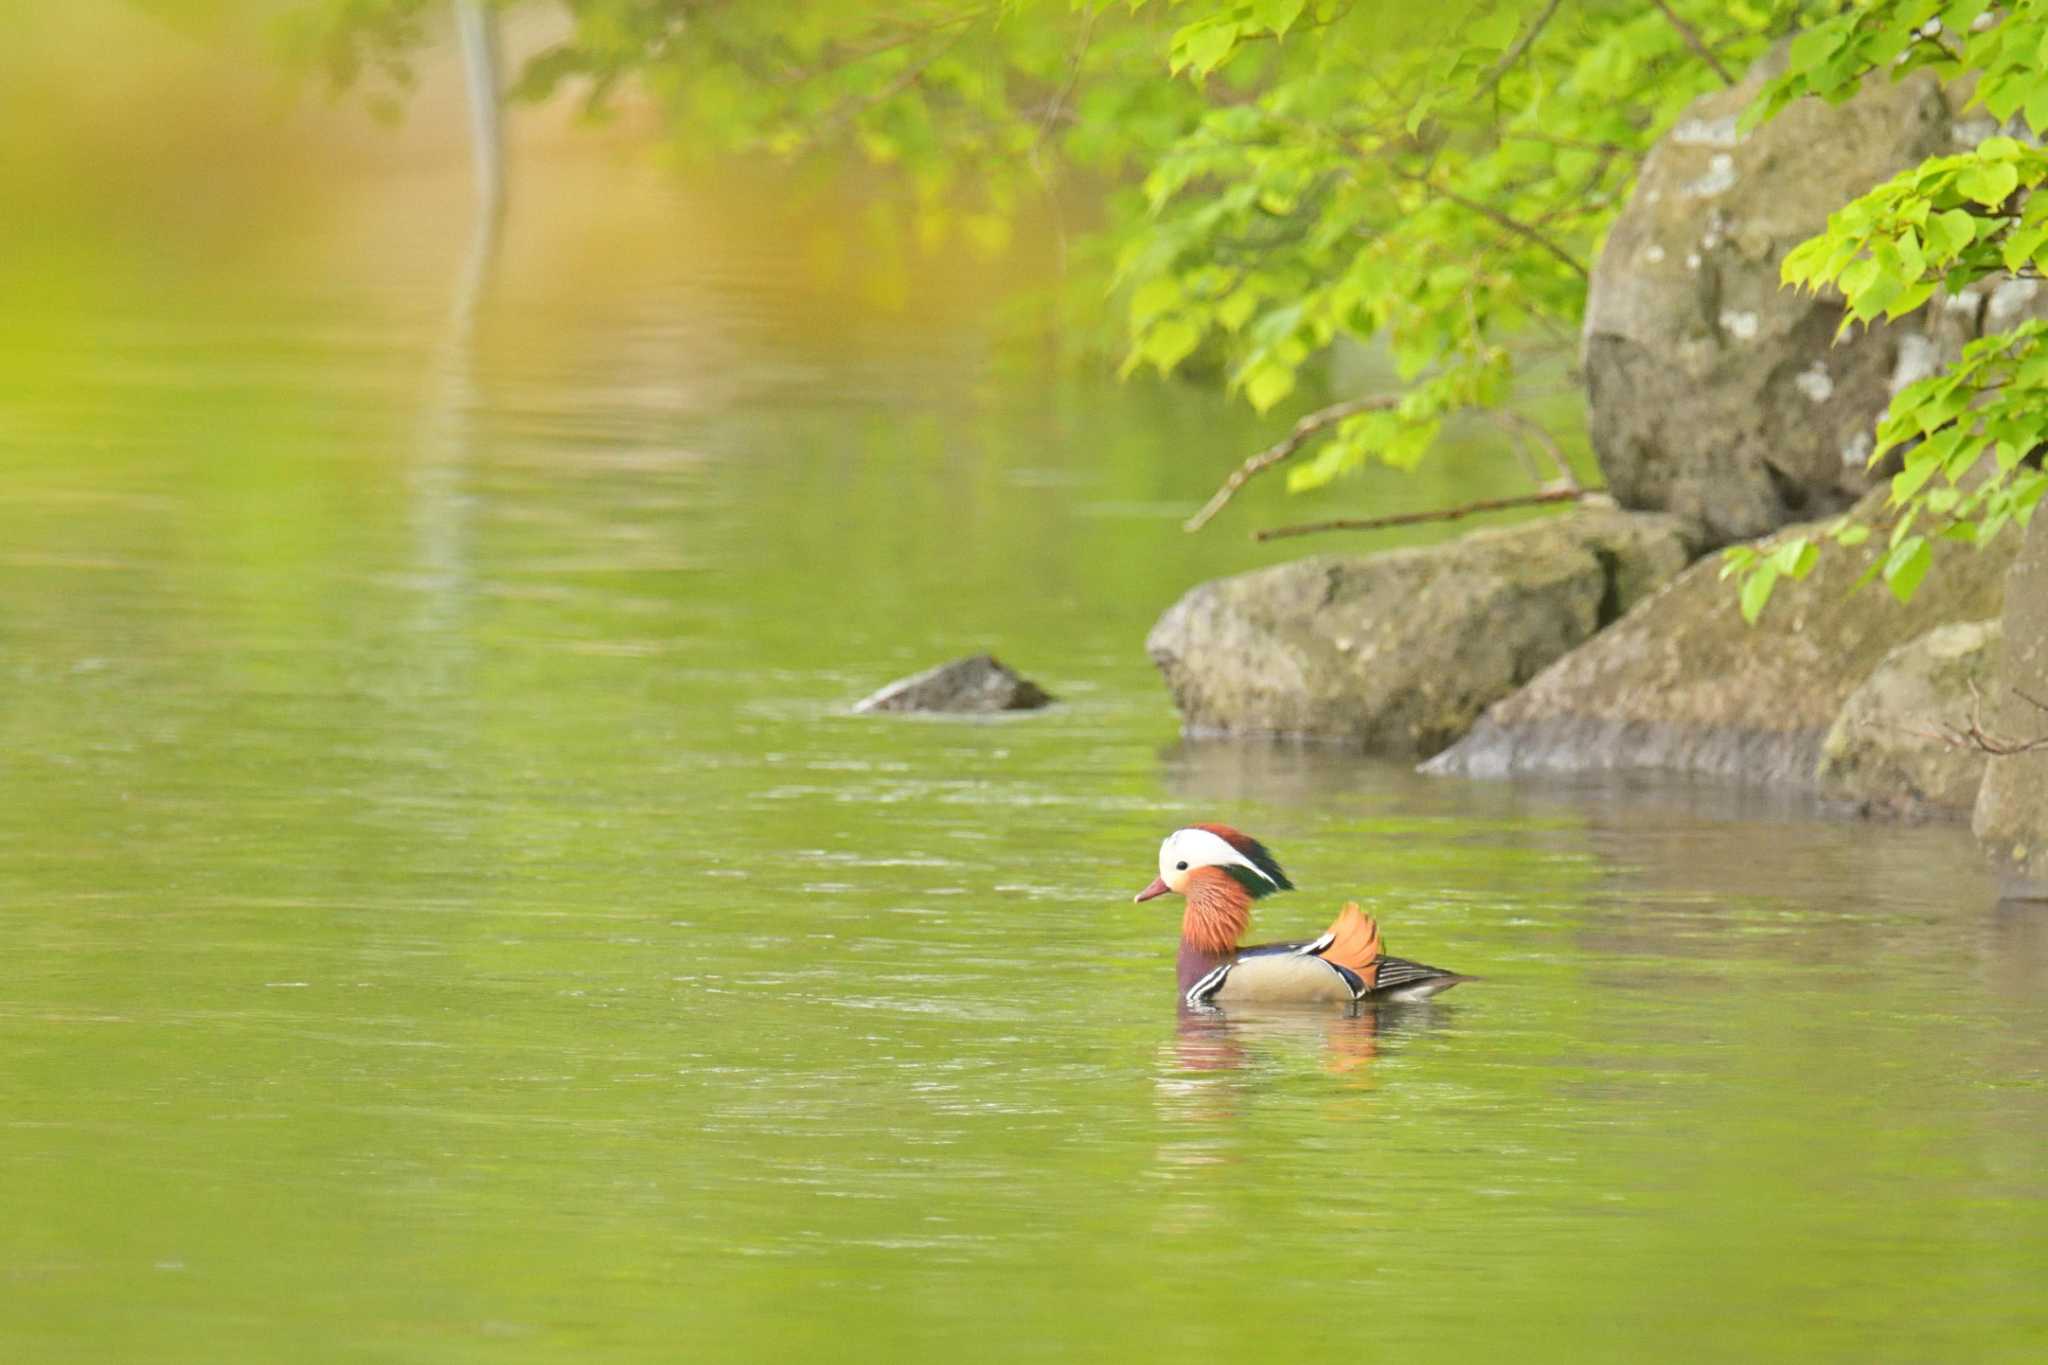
<point>1200,848</point>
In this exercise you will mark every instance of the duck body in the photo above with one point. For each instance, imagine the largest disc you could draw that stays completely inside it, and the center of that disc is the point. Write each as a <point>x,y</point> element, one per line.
<point>1309,971</point>
<point>1221,872</point>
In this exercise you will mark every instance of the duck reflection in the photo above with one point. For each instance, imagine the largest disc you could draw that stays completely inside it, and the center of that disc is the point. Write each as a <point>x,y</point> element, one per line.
<point>1219,1063</point>
<point>1346,1038</point>
<point>1215,1056</point>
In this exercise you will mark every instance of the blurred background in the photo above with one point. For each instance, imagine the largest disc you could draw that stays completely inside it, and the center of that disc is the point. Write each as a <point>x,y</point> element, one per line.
<point>450,913</point>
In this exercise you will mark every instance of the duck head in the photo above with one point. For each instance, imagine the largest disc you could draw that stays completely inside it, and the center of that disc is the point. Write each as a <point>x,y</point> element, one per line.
<point>1199,854</point>
<point>1221,872</point>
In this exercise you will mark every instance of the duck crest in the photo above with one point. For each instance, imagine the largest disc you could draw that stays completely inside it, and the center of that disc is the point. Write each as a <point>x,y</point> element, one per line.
<point>1219,911</point>
<point>1264,876</point>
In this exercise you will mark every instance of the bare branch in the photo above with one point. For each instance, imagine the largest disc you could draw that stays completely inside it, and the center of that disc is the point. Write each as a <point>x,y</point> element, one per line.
<point>1515,421</point>
<point>1059,103</point>
<point>1494,215</point>
<point>1974,736</point>
<point>1435,514</point>
<point>1575,143</point>
<point>1692,40</point>
<point>1273,454</point>
<point>1514,54</point>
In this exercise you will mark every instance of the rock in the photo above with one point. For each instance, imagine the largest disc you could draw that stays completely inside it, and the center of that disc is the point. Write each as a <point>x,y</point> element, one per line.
<point>1715,394</point>
<point>1398,652</point>
<point>1884,754</point>
<point>1682,683</point>
<point>977,684</point>
<point>2011,819</point>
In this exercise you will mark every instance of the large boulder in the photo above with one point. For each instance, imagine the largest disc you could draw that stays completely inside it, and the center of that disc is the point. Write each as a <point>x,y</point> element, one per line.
<point>1683,683</point>
<point>2011,819</point>
<point>1397,653</point>
<point>1890,751</point>
<point>1715,394</point>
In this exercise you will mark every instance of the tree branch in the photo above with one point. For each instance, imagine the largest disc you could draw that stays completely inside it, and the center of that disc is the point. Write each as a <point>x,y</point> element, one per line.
<point>1514,54</point>
<point>1975,736</point>
<point>1515,421</point>
<point>1692,40</point>
<point>1273,454</point>
<point>1494,215</point>
<point>1435,514</point>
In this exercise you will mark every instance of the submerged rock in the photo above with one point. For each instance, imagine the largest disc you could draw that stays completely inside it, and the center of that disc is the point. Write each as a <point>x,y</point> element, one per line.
<point>1716,394</point>
<point>1885,753</point>
<point>2011,818</point>
<point>1684,684</point>
<point>1398,652</point>
<point>977,684</point>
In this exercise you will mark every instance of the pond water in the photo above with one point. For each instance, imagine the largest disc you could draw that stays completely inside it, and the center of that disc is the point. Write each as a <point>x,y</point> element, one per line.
<point>451,916</point>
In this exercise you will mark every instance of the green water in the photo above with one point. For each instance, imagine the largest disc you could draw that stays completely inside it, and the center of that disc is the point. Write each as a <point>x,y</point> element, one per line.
<point>450,915</point>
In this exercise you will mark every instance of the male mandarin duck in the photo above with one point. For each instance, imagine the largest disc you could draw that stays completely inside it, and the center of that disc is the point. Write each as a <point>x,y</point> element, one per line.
<point>1221,872</point>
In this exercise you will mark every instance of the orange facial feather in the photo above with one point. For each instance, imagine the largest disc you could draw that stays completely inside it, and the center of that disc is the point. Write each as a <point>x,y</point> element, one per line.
<point>1219,911</point>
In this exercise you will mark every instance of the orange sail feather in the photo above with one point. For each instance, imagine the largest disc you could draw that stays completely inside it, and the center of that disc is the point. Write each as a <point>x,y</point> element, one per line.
<point>1355,943</point>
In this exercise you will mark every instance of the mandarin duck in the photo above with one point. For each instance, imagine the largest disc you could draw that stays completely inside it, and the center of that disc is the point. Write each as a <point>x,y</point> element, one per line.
<point>1221,872</point>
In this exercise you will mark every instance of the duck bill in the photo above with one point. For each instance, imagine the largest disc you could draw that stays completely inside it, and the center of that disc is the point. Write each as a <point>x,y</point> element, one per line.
<point>1158,888</point>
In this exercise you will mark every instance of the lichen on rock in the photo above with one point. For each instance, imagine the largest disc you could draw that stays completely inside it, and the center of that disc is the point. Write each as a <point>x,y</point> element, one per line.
<point>1683,683</point>
<point>1890,750</point>
<point>1705,397</point>
<point>2011,815</point>
<point>1397,653</point>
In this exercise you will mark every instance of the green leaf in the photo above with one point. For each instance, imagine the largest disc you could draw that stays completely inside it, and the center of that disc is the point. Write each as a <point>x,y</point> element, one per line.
<point>1756,592</point>
<point>1795,558</point>
<point>2021,243</point>
<point>1950,232</point>
<point>2035,110</point>
<point>1909,298</point>
<point>1906,566</point>
<point>1267,384</point>
<point>1204,46</point>
<point>1912,260</point>
<point>1277,16</point>
<point>1813,47</point>
<point>1855,533</point>
<point>1237,309</point>
<point>1170,341</point>
<point>1153,297</point>
<point>1988,182</point>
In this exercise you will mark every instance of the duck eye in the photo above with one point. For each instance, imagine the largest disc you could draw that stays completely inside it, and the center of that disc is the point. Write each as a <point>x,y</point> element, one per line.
<point>1180,867</point>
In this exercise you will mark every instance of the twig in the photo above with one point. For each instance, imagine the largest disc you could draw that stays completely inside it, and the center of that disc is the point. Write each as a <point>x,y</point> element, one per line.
<point>1975,736</point>
<point>1273,454</point>
<point>1514,54</point>
<point>1066,93</point>
<point>1515,421</point>
<point>1575,143</point>
<point>1436,514</point>
<point>1045,127</point>
<point>1514,225</point>
<point>855,55</point>
<point>909,76</point>
<point>1692,40</point>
